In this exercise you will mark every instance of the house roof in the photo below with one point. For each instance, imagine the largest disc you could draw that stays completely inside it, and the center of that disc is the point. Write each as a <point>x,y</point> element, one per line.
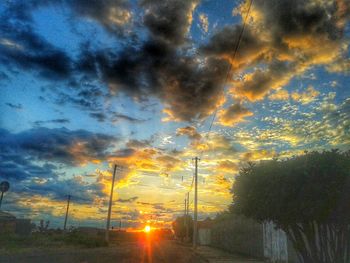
<point>6,216</point>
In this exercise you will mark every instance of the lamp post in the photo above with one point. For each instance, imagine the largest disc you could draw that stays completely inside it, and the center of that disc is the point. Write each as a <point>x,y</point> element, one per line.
<point>4,187</point>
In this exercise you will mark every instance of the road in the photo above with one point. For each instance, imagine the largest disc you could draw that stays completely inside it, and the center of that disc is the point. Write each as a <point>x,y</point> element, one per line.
<point>149,251</point>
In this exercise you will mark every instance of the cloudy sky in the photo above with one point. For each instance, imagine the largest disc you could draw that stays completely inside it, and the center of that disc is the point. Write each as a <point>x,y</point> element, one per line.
<point>86,84</point>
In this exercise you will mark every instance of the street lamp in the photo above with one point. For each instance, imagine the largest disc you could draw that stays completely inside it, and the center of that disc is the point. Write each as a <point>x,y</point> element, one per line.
<point>4,187</point>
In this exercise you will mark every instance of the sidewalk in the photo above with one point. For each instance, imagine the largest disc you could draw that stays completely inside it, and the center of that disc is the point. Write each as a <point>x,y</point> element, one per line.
<point>213,255</point>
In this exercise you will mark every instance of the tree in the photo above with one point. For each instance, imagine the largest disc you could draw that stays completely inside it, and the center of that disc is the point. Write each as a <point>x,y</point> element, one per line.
<point>179,227</point>
<point>307,196</point>
<point>43,227</point>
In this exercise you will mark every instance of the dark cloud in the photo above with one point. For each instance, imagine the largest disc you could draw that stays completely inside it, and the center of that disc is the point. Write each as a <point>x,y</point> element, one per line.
<point>31,161</point>
<point>21,47</point>
<point>122,117</point>
<point>112,14</point>
<point>57,145</point>
<point>128,200</point>
<point>54,121</point>
<point>300,17</point>
<point>190,87</point>
<point>281,40</point>
<point>127,152</point>
<point>88,98</point>
<point>14,167</point>
<point>138,144</point>
<point>56,189</point>
<point>99,116</point>
<point>114,117</point>
<point>190,131</point>
<point>257,84</point>
<point>224,44</point>
<point>169,19</point>
<point>234,114</point>
<point>86,104</point>
<point>15,106</point>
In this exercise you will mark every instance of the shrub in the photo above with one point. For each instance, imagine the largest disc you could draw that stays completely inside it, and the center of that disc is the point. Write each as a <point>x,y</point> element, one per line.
<point>307,196</point>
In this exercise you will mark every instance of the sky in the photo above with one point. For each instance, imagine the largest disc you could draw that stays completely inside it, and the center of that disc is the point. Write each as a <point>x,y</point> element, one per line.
<point>149,85</point>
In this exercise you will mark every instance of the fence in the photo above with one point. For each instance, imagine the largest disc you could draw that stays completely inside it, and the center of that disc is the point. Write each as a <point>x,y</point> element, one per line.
<point>238,235</point>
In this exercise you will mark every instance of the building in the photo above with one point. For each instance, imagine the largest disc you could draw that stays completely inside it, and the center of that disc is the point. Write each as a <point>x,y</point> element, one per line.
<point>204,232</point>
<point>7,223</point>
<point>23,227</point>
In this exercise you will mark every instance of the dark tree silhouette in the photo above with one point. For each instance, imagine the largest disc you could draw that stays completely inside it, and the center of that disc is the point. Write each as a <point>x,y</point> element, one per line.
<point>307,196</point>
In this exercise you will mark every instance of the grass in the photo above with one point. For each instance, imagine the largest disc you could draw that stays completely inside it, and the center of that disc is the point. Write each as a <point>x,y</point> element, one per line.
<point>78,239</point>
<point>50,240</point>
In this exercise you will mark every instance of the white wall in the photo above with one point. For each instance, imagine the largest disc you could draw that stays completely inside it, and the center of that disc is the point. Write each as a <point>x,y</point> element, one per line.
<point>275,244</point>
<point>204,236</point>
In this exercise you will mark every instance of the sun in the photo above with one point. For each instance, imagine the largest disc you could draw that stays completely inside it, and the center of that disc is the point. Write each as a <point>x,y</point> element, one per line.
<point>147,229</point>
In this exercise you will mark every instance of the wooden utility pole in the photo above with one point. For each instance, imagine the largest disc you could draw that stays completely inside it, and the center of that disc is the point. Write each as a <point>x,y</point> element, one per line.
<point>65,220</point>
<point>187,216</point>
<point>2,195</point>
<point>195,226</point>
<point>188,203</point>
<point>110,205</point>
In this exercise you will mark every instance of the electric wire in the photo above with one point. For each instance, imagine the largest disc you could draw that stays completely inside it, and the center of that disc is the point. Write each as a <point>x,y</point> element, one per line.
<point>226,79</point>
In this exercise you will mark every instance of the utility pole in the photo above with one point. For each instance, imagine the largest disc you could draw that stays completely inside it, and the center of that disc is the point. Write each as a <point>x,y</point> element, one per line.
<point>65,220</point>
<point>195,226</point>
<point>110,205</point>
<point>188,202</point>
<point>187,216</point>
<point>2,195</point>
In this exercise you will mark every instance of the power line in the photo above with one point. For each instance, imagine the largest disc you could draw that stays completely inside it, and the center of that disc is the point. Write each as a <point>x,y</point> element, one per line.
<point>214,113</point>
<point>195,176</point>
<point>226,78</point>
<point>230,66</point>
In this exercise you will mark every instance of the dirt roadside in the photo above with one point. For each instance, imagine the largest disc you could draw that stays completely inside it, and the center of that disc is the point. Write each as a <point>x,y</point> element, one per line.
<point>158,252</point>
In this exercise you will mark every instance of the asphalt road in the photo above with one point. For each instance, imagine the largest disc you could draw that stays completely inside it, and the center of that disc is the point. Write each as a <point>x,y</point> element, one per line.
<point>146,251</point>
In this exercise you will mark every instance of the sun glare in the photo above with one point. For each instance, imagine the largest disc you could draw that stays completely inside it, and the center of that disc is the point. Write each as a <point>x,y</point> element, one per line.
<point>147,229</point>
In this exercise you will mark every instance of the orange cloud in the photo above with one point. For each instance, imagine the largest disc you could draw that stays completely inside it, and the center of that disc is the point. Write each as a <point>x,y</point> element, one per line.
<point>227,166</point>
<point>223,182</point>
<point>152,160</point>
<point>234,114</point>
<point>289,51</point>
<point>259,155</point>
<point>189,131</point>
<point>305,97</point>
<point>280,94</point>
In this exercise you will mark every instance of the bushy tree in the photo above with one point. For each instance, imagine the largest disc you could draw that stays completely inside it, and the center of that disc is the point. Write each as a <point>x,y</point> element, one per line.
<point>307,196</point>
